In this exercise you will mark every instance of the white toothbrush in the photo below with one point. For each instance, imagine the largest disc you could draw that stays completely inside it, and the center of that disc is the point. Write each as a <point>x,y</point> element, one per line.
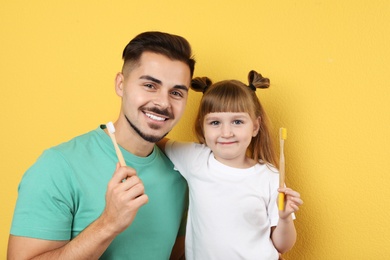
<point>111,132</point>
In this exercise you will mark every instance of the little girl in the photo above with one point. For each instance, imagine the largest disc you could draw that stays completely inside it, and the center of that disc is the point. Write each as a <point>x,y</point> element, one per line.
<point>232,177</point>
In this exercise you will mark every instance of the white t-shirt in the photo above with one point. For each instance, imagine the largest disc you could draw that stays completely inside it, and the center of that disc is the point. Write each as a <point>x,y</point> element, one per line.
<point>231,210</point>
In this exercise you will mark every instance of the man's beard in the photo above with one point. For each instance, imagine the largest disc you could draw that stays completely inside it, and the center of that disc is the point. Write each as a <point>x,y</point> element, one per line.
<point>150,138</point>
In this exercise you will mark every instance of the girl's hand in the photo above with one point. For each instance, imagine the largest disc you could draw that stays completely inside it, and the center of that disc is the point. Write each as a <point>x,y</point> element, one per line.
<point>292,202</point>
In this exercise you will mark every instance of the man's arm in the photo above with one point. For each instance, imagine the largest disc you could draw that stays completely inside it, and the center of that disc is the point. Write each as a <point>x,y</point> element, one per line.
<point>27,248</point>
<point>89,244</point>
<point>123,200</point>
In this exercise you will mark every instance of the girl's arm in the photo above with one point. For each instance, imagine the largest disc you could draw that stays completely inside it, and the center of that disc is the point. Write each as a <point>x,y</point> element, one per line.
<point>178,248</point>
<point>284,234</point>
<point>161,144</point>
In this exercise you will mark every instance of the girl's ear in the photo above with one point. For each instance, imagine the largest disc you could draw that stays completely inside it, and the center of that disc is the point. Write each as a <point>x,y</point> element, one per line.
<point>256,126</point>
<point>119,82</point>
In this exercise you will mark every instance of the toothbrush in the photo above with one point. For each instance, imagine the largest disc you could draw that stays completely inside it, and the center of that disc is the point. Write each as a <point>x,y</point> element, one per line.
<point>282,170</point>
<point>111,133</point>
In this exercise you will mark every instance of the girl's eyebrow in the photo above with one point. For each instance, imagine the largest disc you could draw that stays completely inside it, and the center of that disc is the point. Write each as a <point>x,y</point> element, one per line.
<point>234,117</point>
<point>213,118</point>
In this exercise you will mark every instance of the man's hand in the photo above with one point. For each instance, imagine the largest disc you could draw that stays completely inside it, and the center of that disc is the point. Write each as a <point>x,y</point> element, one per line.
<point>125,195</point>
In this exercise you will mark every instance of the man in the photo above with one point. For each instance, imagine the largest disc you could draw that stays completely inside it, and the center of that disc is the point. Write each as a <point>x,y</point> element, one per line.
<point>71,206</point>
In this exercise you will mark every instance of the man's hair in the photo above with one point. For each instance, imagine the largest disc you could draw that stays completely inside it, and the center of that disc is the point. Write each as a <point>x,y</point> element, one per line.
<point>172,46</point>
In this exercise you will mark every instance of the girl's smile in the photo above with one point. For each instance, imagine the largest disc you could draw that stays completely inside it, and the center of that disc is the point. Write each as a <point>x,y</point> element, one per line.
<point>228,134</point>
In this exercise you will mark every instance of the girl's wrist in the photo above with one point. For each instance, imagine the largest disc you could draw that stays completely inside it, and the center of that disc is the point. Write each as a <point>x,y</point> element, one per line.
<point>286,220</point>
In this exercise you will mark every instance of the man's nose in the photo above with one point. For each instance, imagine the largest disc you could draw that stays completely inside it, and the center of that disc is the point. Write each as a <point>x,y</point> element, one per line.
<point>162,100</point>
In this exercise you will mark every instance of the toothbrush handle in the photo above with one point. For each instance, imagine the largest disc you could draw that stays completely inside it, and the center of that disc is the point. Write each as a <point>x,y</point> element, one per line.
<point>281,176</point>
<point>117,150</point>
<point>281,201</point>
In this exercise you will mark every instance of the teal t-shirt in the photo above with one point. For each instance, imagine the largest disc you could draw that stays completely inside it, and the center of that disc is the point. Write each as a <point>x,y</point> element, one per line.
<point>64,191</point>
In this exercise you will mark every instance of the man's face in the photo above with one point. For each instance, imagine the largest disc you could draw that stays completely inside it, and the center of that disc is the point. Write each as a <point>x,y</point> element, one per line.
<point>154,95</point>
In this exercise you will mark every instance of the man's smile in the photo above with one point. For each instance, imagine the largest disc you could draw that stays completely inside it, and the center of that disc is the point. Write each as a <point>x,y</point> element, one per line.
<point>155,117</point>
<point>157,114</point>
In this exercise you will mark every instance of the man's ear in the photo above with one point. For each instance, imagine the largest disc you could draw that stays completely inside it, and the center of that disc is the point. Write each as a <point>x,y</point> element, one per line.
<point>256,126</point>
<point>119,83</point>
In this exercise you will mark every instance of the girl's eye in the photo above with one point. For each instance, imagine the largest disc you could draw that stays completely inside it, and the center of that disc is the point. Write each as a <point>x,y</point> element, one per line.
<point>237,122</point>
<point>214,123</point>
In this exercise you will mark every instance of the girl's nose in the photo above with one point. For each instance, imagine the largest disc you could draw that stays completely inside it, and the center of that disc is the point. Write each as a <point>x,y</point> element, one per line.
<point>226,131</point>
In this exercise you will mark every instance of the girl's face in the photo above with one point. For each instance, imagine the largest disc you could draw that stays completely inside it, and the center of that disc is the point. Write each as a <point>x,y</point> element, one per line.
<point>228,134</point>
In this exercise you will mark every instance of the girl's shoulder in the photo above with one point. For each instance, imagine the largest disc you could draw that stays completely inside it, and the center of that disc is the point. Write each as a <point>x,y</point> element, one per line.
<point>186,149</point>
<point>267,167</point>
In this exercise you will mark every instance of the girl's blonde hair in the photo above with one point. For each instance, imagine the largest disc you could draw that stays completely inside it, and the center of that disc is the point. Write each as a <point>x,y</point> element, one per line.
<point>235,96</point>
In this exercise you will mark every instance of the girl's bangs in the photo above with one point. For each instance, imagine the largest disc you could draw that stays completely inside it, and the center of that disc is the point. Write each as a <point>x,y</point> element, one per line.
<point>232,99</point>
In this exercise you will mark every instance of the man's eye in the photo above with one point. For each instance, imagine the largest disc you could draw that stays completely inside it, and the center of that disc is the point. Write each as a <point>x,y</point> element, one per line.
<point>148,85</point>
<point>177,93</point>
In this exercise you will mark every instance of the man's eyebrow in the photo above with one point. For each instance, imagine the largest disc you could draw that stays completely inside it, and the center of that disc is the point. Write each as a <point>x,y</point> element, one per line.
<point>151,79</point>
<point>157,81</point>
<point>182,87</point>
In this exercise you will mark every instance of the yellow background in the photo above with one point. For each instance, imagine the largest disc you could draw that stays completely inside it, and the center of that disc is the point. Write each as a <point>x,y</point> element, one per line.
<point>328,62</point>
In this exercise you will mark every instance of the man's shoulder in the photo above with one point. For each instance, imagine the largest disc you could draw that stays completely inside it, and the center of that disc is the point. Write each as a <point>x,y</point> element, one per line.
<point>80,140</point>
<point>85,144</point>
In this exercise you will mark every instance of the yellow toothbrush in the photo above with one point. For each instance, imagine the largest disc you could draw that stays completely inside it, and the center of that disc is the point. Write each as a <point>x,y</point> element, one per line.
<point>282,170</point>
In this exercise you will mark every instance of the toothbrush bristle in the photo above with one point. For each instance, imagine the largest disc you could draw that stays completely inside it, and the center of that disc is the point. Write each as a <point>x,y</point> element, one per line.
<point>283,133</point>
<point>110,127</point>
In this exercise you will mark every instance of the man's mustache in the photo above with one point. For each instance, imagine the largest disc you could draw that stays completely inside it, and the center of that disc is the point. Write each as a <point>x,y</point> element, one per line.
<point>164,112</point>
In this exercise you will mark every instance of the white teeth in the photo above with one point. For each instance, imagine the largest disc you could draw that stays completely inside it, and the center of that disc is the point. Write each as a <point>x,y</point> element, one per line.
<point>157,118</point>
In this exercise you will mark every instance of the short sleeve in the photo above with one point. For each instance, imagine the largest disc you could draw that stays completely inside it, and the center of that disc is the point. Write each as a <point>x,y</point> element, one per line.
<point>181,154</point>
<point>45,204</point>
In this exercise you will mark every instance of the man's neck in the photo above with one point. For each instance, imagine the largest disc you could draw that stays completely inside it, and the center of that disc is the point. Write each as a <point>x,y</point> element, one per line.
<point>131,141</point>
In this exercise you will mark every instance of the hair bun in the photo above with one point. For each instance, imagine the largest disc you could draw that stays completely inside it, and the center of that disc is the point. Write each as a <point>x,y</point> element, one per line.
<point>257,80</point>
<point>200,84</point>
